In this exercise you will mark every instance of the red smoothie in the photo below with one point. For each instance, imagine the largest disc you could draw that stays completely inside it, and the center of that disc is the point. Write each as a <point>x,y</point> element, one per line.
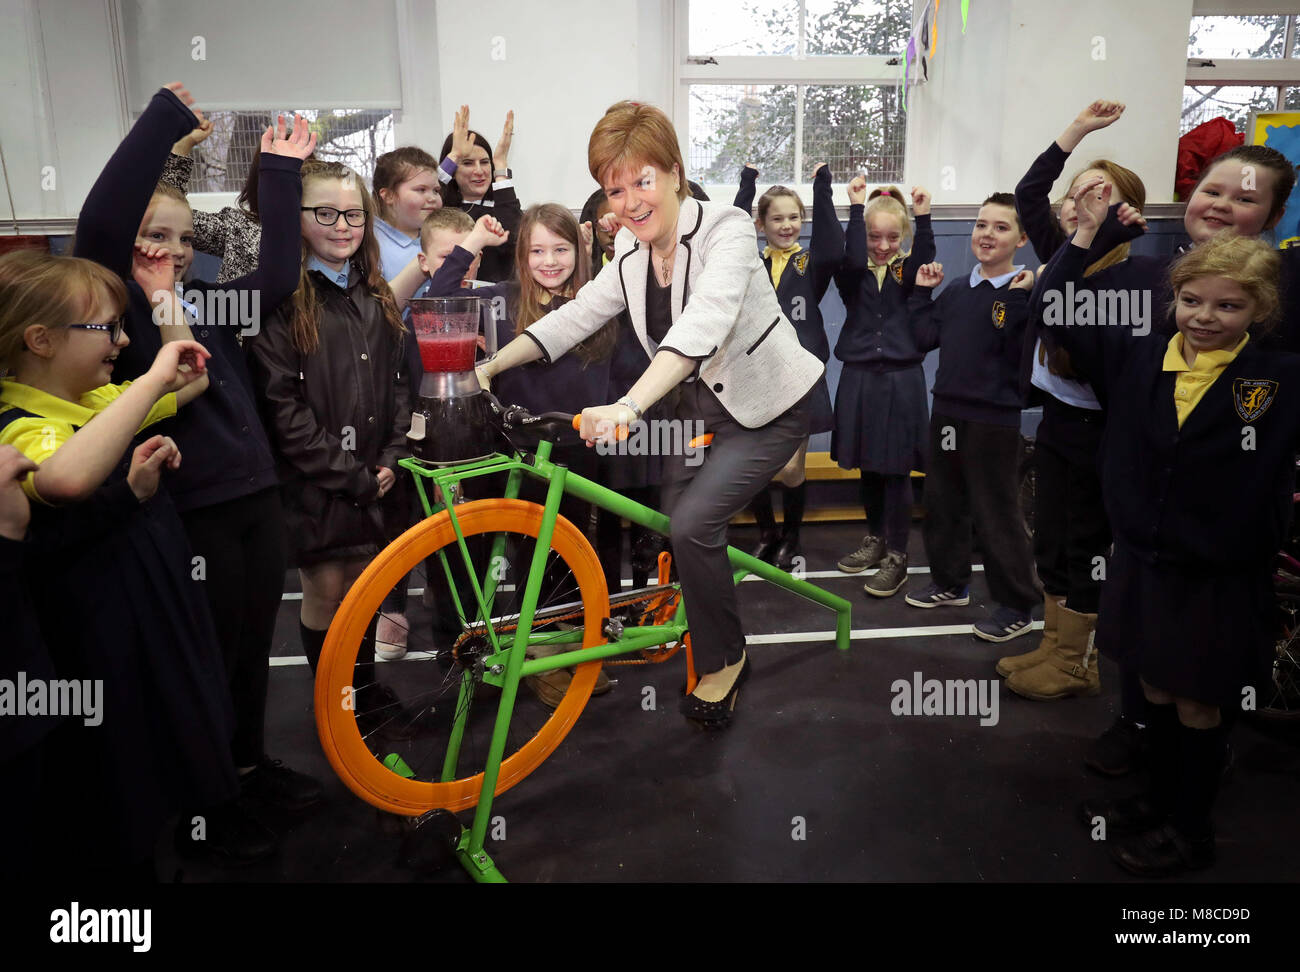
<point>447,352</point>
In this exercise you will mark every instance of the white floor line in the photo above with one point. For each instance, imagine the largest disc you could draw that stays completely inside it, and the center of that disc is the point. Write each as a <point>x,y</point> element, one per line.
<point>627,581</point>
<point>787,638</point>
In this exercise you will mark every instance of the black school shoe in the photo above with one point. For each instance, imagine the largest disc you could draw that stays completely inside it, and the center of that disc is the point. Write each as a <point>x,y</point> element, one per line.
<point>229,833</point>
<point>1119,750</point>
<point>1128,815</point>
<point>1163,852</point>
<point>275,785</point>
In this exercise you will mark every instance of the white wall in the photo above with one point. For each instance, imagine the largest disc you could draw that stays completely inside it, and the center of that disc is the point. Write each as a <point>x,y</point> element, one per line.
<point>1000,93</point>
<point>558,66</point>
<point>997,95</point>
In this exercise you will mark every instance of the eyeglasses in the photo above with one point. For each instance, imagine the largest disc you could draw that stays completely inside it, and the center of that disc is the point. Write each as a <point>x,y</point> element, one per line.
<point>113,329</point>
<point>328,215</point>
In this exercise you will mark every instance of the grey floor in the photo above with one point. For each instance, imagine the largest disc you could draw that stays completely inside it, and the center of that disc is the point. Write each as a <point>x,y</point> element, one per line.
<point>816,779</point>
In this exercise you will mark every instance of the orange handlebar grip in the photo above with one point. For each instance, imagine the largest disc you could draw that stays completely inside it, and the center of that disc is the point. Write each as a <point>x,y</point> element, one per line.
<point>620,433</point>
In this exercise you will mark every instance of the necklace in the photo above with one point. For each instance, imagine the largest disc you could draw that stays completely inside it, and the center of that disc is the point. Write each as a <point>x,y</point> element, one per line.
<point>666,267</point>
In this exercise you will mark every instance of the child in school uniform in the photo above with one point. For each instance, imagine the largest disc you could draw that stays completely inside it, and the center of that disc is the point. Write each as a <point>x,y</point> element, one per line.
<point>1198,472</point>
<point>227,493</point>
<point>331,366</point>
<point>116,600</point>
<point>979,324</point>
<point>23,655</point>
<point>800,281</point>
<point>1243,191</point>
<point>880,404</point>
<point>1071,532</point>
<point>406,190</point>
<point>479,181</point>
<point>551,256</point>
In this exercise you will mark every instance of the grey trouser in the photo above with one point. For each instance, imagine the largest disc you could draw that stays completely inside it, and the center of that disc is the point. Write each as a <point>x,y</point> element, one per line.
<point>702,498</point>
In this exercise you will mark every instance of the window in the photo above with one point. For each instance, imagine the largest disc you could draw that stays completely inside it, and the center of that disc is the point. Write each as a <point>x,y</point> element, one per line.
<point>1239,65</point>
<point>354,137</point>
<point>786,85</point>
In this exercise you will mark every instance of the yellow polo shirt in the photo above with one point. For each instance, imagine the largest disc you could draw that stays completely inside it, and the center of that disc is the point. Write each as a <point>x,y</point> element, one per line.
<point>779,259</point>
<point>1195,380</point>
<point>39,438</point>
<point>880,269</point>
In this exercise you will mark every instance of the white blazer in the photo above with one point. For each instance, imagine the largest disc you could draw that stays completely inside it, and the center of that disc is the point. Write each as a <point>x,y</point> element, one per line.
<point>725,313</point>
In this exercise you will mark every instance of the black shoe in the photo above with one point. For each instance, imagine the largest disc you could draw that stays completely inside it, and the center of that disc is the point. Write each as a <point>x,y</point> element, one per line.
<point>276,785</point>
<point>1118,751</point>
<point>766,549</point>
<point>230,833</point>
<point>715,715</point>
<point>1127,815</point>
<point>1163,852</point>
<point>786,552</point>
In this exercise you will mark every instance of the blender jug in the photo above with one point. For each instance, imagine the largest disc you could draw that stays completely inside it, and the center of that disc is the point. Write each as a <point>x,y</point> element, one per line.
<point>450,418</point>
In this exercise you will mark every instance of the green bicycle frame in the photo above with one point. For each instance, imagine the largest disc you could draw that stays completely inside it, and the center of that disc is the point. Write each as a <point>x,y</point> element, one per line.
<point>507,665</point>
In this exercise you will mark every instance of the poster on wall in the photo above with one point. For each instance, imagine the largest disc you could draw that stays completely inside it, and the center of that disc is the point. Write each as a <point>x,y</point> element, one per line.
<point>1281,130</point>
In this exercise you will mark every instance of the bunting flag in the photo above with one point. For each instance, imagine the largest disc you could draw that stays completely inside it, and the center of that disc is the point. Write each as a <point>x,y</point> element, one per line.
<point>965,9</point>
<point>934,28</point>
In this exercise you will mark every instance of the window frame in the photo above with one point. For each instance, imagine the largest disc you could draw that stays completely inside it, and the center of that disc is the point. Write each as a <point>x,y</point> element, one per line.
<point>798,69</point>
<point>1279,73</point>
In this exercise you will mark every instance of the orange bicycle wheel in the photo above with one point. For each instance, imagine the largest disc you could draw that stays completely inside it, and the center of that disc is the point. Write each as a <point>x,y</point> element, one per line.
<point>399,766</point>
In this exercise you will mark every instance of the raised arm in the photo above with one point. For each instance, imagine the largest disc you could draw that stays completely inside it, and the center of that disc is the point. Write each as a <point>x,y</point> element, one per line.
<point>209,228</point>
<point>923,249</point>
<point>111,215</point>
<point>279,196</point>
<point>924,311</point>
<point>745,194</point>
<point>827,243</point>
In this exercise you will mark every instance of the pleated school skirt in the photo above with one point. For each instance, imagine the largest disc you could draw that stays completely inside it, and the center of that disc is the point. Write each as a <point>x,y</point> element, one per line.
<point>882,423</point>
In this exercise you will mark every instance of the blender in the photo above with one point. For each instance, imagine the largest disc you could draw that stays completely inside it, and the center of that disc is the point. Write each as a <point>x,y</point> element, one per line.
<point>450,418</point>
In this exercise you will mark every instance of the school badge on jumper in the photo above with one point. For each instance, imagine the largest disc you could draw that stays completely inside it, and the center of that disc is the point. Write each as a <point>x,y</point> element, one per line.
<point>999,313</point>
<point>1252,397</point>
<point>897,270</point>
<point>801,263</point>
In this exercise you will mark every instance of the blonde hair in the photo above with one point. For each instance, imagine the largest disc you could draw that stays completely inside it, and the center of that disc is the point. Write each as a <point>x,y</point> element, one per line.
<point>168,191</point>
<point>633,134</point>
<point>37,288</point>
<point>891,201</point>
<point>450,218</point>
<point>1248,262</point>
<point>305,304</point>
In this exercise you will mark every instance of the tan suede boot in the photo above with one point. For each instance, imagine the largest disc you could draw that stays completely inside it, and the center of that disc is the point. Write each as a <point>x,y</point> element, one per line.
<point>1016,663</point>
<point>1072,668</point>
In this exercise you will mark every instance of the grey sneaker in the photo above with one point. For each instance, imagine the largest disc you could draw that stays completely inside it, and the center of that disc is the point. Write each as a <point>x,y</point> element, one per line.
<point>869,555</point>
<point>891,576</point>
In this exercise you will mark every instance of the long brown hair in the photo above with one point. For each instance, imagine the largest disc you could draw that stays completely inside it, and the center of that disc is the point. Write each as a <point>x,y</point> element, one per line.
<point>529,307</point>
<point>1134,191</point>
<point>305,304</point>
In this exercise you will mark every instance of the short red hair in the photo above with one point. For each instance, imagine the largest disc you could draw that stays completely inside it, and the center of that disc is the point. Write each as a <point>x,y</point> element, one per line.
<point>632,135</point>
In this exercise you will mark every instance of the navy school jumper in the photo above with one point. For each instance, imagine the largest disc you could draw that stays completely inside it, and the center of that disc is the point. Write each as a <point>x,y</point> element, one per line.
<point>220,434</point>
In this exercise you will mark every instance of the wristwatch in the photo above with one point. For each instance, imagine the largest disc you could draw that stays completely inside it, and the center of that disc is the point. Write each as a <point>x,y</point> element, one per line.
<point>502,173</point>
<point>636,409</point>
